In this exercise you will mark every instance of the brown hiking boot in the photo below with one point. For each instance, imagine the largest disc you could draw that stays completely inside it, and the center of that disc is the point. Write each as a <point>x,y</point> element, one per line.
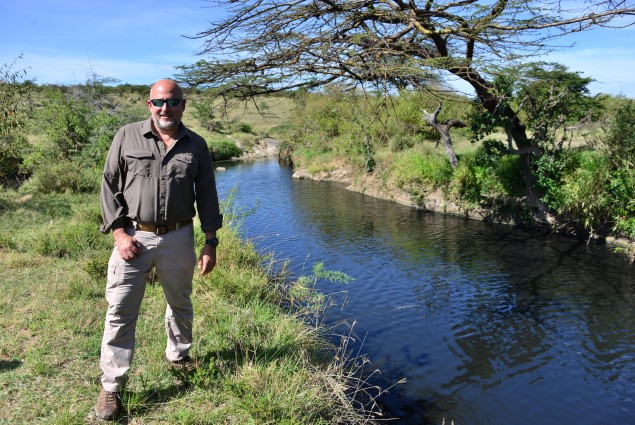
<point>108,405</point>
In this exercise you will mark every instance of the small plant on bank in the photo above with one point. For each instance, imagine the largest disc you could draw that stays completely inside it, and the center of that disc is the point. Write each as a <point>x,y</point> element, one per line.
<point>224,150</point>
<point>420,171</point>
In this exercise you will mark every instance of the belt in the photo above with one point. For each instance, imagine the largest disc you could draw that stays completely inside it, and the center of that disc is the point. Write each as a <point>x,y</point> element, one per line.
<point>157,229</point>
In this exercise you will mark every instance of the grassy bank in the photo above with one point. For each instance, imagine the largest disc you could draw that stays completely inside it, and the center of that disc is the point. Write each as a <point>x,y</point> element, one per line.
<point>257,361</point>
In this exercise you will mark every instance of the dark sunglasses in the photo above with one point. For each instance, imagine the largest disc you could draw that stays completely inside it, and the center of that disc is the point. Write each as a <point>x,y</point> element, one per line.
<point>171,102</point>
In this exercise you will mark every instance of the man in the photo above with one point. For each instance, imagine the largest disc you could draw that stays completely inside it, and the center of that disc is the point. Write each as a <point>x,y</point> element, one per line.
<point>157,174</point>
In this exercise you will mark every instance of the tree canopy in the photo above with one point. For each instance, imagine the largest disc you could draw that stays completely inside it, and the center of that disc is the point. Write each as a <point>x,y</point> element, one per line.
<point>267,46</point>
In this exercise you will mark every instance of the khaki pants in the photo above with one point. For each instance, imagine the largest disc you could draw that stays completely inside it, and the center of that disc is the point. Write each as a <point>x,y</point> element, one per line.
<point>174,258</point>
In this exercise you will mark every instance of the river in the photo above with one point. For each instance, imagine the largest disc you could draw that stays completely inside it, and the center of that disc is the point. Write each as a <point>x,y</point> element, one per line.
<point>488,324</point>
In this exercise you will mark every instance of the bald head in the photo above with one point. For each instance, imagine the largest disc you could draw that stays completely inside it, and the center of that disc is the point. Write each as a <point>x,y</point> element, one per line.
<point>166,117</point>
<point>166,85</point>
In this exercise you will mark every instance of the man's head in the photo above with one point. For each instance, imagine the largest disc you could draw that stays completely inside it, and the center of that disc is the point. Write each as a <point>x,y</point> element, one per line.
<point>166,104</point>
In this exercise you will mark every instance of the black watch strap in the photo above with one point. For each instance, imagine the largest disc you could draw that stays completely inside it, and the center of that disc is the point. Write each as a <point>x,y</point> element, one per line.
<point>212,241</point>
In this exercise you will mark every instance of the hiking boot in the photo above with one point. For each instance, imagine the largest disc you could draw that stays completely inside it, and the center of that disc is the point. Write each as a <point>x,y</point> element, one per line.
<point>108,405</point>
<point>186,364</point>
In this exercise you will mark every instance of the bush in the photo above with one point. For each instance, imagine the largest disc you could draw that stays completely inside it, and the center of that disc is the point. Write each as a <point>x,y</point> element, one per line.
<point>465,185</point>
<point>582,195</point>
<point>12,150</point>
<point>63,177</point>
<point>223,150</point>
<point>551,172</point>
<point>74,241</point>
<point>619,142</point>
<point>510,176</point>
<point>417,169</point>
<point>15,106</point>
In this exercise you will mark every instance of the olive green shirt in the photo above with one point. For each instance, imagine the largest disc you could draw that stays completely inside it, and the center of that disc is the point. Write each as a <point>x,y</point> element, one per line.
<point>145,183</point>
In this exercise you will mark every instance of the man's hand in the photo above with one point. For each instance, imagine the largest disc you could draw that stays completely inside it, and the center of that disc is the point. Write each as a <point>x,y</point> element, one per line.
<point>127,246</point>
<point>207,259</point>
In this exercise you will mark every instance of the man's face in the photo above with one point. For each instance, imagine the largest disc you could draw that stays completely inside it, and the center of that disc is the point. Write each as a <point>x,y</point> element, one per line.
<point>166,117</point>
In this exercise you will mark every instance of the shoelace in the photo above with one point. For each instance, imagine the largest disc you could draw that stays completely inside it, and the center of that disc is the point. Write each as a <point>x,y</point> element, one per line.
<point>111,397</point>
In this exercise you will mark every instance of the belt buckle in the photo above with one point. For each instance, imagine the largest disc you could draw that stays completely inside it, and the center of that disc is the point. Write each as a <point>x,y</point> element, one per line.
<point>161,229</point>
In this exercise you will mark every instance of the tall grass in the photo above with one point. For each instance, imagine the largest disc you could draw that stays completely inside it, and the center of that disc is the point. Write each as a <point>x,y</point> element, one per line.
<point>258,359</point>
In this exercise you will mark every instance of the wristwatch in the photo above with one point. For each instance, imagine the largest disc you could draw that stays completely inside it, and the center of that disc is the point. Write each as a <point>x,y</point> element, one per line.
<point>213,241</point>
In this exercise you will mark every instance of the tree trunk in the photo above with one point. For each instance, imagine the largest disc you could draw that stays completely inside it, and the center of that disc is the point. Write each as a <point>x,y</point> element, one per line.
<point>443,128</point>
<point>516,128</point>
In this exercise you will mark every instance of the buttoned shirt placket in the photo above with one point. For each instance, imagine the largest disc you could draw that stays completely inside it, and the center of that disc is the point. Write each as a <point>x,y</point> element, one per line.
<point>162,183</point>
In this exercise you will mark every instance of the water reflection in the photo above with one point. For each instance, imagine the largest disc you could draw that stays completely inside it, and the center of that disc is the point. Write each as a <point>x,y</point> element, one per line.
<point>489,324</point>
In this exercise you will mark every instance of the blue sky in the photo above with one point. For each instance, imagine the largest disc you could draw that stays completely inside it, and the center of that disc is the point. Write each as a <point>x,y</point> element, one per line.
<point>141,41</point>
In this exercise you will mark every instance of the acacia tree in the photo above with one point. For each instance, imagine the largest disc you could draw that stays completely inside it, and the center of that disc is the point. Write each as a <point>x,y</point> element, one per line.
<point>267,46</point>
<point>551,98</point>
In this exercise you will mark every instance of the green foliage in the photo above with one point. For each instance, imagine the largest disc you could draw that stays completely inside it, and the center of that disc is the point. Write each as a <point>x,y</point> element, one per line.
<point>465,184</point>
<point>15,105</point>
<point>204,112</point>
<point>551,172</point>
<point>546,95</point>
<point>244,127</point>
<point>509,175</point>
<point>553,97</point>
<point>622,195</point>
<point>65,123</point>
<point>75,126</point>
<point>619,143</point>
<point>224,150</point>
<point>63,176</point>
<point>489,171</point>
<point>583,187</point>
<point>483,122</point>
<point>489,153</point>
<point>421,172</point>
<point>72,241</point>
<point>582,194</point>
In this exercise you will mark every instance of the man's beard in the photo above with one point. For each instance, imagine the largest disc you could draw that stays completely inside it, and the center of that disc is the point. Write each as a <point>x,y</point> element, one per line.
<point>166,123</point>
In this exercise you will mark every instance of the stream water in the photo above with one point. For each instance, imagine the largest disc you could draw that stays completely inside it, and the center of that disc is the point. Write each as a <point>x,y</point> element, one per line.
<point>488,324</point>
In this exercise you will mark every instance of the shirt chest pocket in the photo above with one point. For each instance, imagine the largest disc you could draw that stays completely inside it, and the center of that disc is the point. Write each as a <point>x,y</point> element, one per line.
<point>183,165</point>
<point>139,163</point>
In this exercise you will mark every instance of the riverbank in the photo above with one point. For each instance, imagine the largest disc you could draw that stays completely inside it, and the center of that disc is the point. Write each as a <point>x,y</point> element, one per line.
<point>257,360</point>
<point>525,211</point>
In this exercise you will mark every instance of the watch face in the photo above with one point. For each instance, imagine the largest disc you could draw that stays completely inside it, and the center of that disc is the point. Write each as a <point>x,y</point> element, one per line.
<point>212,241</point>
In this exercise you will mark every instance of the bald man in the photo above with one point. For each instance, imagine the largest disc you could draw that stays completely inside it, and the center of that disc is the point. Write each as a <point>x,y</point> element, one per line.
<point>157,176</point>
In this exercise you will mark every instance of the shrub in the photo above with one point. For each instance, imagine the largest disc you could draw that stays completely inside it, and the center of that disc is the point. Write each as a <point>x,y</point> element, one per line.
<point>74,241</point>
<point>417,169</point>
<point>15,105</point>
<point>582,195</point>
<point>223,150</point>
<point>243,127</point>
<point>551,172</point>
<point>510,176</point>
<point>63,177</point>
<point>465,185</point>
<point>619,142</point>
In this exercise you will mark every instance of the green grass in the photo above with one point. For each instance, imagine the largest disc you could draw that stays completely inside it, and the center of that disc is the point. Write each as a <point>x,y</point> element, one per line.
<point>257,362</point>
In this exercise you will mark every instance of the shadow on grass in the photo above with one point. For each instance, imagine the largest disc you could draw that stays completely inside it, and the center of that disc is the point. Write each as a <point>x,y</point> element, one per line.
<point>7,365</point>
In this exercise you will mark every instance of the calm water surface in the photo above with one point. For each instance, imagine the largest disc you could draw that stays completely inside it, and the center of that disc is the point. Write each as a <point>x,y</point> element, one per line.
<point>489,324</point>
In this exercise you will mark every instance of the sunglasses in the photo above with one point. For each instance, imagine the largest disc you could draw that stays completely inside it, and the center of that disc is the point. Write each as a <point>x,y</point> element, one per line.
<point>171,102</point>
